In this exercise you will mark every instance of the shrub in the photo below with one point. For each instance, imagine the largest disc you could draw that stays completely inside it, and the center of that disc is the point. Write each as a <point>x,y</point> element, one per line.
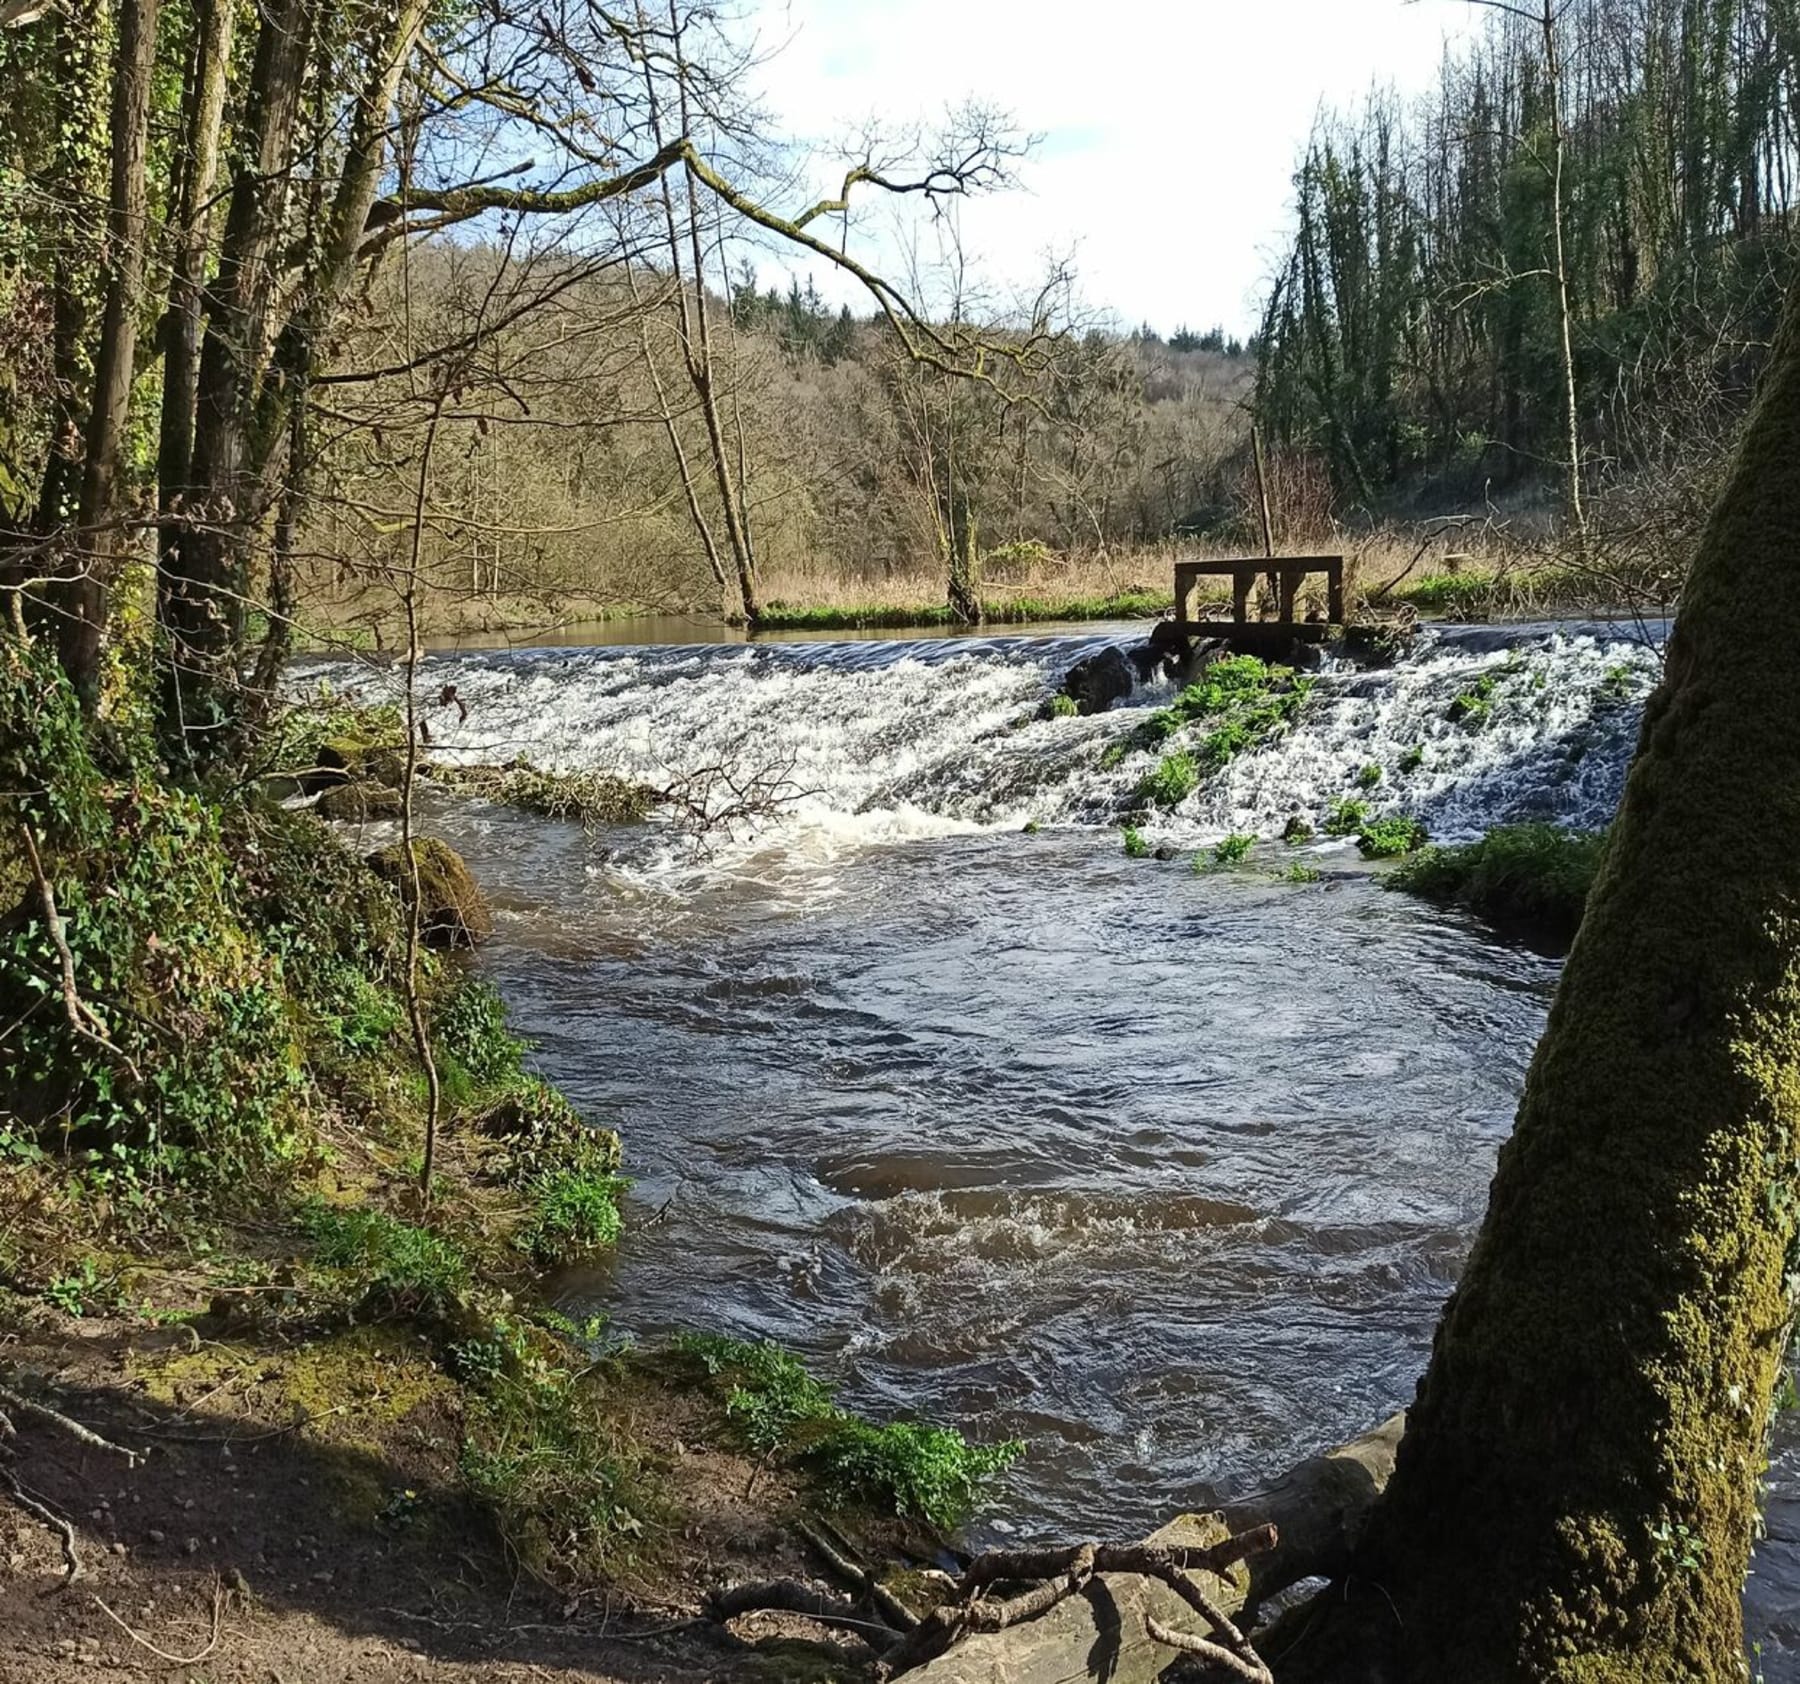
<point>1537,874</point>
<point>1388,838</point>
<point>1299,872</point>
<point>1173,781</point>
<point>1368,777</point>
<point>1413,758</point>
<point>1347,817</point>
<point>777,1407</point>
<point>931,1472</point>
<point>1064,707</point>
<point>1136,847</point>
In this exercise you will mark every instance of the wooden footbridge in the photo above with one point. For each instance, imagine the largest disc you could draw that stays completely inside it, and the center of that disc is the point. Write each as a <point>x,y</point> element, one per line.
<point>1285,576</point>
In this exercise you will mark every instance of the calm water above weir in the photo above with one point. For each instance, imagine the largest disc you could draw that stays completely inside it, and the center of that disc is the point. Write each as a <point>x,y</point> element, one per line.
<point>1165,1172</point>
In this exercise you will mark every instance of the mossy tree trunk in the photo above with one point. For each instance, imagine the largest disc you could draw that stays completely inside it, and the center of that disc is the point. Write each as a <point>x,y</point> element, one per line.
<point>1576,1494</point>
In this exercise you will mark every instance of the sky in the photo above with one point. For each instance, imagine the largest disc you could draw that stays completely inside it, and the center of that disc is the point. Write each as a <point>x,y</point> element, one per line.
<point>1169,128</point>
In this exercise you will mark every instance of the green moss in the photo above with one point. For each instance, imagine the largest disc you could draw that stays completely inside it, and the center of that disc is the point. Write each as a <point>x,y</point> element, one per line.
<point>1474,707</point>
<point>1413,758</point>
<point>1063,707</point>
<point>1537,874</point>
<point>593,799</point>
<point>452,909</point>
<point>1297,831</point>
<point>361,802</point>
<point>1368,777</point>
<point>1386,839</point>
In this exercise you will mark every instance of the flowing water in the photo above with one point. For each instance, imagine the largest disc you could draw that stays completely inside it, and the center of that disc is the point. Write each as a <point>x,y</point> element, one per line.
<point>1165,1172</point>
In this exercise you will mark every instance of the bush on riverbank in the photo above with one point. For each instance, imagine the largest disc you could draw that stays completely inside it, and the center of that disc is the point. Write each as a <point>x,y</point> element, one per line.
<point>1532,874</point>
<point>997,610</point>
<point>778,1409</point>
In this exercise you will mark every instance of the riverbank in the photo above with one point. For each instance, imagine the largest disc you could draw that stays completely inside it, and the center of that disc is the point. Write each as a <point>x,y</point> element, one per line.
<point>1434,571</point>
<point>286,1210</point>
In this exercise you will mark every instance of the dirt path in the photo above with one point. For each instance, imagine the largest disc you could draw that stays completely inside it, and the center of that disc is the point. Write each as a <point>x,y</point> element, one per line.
<point>248,1550</point>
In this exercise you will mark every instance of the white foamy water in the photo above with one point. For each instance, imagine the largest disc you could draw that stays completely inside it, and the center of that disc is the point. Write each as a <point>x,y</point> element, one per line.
<point>892,741</point>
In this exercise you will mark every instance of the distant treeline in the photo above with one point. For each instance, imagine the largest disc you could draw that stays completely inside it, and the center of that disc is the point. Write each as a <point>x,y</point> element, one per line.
<point>1413,339</point>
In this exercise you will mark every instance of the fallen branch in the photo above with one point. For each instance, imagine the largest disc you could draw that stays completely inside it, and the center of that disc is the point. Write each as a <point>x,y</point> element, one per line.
<point>1190,1643</point>
<point>786,1596</point>
<point>860,1580</point>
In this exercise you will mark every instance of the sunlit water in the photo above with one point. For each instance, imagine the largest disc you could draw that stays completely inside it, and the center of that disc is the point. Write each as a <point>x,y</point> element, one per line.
<point>1165,1172</point>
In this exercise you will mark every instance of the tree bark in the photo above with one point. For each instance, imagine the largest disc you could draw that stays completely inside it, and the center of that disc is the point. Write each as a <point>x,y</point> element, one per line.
<point>1575,1498</point>
<point>83,620</point>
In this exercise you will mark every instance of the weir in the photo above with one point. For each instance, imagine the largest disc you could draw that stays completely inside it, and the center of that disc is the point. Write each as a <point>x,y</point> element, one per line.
<point>1286,574</point>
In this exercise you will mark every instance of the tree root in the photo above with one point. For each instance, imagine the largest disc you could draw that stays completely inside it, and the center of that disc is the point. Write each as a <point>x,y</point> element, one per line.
<point>1052,1577</point>
<point>40,1510</point>
<point>53,1418</point>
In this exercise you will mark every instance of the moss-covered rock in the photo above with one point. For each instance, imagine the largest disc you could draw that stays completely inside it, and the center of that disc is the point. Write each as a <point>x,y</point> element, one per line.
<point>361,802</point>
<point>453,912</point>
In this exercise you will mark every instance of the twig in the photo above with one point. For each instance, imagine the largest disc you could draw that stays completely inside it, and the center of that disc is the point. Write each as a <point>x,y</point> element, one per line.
<point>163,1654</point>
<point>73,1428</point>
<point>57,1524</point>
<point>81,1017</point>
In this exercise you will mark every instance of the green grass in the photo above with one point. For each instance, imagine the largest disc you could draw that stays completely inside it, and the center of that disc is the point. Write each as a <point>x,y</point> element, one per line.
<point>1389,838</point>
<point>1474,707</point>
<point>1064,707</point>
<point>1299,872</point>
<point>1369,776</point>
<point>777,1408</point>
<point>404,1268</point>
<point>573,1215</point>
<point>1136,847</point>
<point>997,610</point>
<point>1537,874</point>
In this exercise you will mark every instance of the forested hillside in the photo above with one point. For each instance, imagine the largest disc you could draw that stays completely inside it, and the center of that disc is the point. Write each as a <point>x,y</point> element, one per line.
<point>1573,248</point>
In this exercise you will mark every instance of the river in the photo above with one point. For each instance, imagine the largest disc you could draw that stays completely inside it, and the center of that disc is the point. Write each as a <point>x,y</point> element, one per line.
<point>1165,1171</point>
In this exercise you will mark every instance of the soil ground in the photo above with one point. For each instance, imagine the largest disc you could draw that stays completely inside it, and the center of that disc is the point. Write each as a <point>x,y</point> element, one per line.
<point>258,1541</point>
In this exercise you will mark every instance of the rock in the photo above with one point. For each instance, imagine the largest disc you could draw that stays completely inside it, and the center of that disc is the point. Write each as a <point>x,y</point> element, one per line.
<point>1166,648</point>
<point>452,909</point>
<point>1100,680</point>
<point>359,802</point>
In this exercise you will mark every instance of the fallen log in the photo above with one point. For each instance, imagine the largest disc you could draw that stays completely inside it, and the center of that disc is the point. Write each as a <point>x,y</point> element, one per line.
<point>1103,1630</point>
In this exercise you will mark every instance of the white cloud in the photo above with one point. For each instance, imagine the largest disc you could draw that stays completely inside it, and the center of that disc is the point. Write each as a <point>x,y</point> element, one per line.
<point>1169,130</point>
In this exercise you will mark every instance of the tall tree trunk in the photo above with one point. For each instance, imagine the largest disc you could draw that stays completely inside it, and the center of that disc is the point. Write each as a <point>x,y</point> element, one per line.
<point>197,163</point>
<point>203,580</point>
<point>83,619</point>
<point>1577,1491</point>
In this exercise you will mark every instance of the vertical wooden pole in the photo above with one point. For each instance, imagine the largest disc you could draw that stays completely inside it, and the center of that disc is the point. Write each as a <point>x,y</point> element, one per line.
<point>1262,492</point>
